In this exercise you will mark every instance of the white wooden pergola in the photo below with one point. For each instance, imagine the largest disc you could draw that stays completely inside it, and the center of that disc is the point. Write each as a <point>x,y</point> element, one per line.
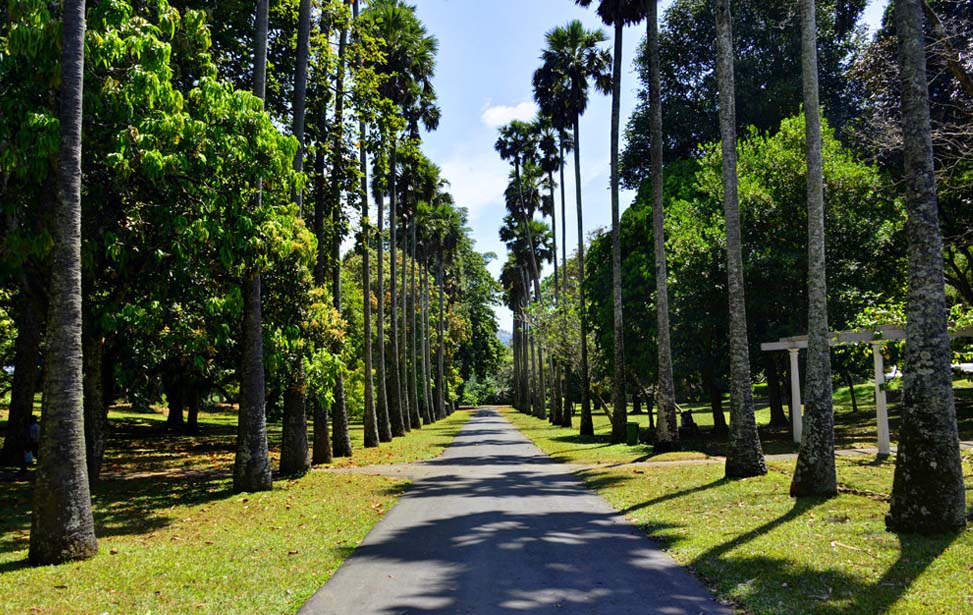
<point>876,337</point>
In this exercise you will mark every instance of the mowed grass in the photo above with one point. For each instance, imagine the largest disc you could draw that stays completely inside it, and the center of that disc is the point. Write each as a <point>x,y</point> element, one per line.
<point>175,539</point>
<point>770,554</point>
<point>773,555</point>
<point>852,430</point>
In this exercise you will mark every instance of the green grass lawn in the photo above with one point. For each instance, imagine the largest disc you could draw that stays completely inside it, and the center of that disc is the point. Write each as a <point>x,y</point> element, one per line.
<point>182,542</point>
<point>771,555</point>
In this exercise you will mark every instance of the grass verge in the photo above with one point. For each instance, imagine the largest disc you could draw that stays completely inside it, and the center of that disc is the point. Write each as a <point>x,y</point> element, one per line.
<point>772,555</point>
<point>175,539</point>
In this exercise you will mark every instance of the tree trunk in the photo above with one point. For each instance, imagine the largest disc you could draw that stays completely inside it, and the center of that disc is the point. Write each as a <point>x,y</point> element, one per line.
<point>927,492</point>
<point>777,416</point>
<point>426,337</point>
<point>321,437</point>
<point>62,527</point>
<point>587,425</point>
<point>192,414</point>
<point>850,383</point>
<point>814,474</point>
<point>95,409</point>
<point>340,437</point>
<point>396,414</point>
<point>744,455</point>
<point>293,449</point>
<point>26,356</point>
<point>440,350</point>
<point>409,413</point>
<point>418,415</point>
<point>251,467</point>
<point>619,410</point>
<point>667,434</point>
<point>294,458</point>
<point>371,417</point>
<point>382,410</point>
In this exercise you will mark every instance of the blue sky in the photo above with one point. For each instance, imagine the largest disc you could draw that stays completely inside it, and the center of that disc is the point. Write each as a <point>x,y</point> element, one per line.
<point>488,50</point>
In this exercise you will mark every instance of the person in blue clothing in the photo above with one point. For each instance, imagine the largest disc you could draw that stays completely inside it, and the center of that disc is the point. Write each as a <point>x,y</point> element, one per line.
<point>32,446</point>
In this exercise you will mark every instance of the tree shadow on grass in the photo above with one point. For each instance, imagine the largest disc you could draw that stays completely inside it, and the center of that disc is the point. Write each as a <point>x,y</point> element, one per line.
<point>121,507</point>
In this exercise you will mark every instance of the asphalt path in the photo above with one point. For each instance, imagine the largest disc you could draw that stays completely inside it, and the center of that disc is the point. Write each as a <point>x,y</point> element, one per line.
<point>496,526</point>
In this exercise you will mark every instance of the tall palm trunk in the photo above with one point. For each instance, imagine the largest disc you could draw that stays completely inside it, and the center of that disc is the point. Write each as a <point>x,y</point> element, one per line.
<point>409,413</point>
<point>294,459</point>
<point>27,353</point>
<point>251,467</point>
<point>927,492</point>
<point>555,415</point>
<point>619,411</point>
<point>419,416</point>
<point>563,378</point>
<point>382,411</point>
<point>321,442</point>
<point>667,433</point>
<point>815,471</point>
<point>340,436</point>
<point>62,527</point>
<point>371,418</point>
<point>744,455</point>
<point>587,425</point>
<point>396,414</point>
<point>426,351</point>
<point>440,349</point>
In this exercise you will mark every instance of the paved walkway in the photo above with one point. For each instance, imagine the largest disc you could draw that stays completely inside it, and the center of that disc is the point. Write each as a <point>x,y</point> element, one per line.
<point>496,526</point>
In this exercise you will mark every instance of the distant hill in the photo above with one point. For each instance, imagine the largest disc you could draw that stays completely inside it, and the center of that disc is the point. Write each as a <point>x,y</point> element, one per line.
<point>505,336</point>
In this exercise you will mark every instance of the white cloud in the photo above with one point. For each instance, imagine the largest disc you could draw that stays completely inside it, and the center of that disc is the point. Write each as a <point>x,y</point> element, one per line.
<point>476,180</point>
<point>495,116</point>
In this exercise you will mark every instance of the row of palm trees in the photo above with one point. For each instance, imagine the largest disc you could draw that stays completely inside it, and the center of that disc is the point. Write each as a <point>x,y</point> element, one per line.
<point>426,230</point>
<point>923,499</point>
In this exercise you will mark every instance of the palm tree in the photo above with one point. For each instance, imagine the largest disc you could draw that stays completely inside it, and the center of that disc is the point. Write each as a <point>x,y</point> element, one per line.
<point>340,436</point>
<point>518,142</point>
<point>572,58</point>
<point>408,64</point>
<point>617,13</point>
<point>551,159</point>
<point>382,410</point>
<point>62,527</point>
<point>744,456</point>
<point>251,467</point>
<point>927,491</point>
<point>667,433</point>
<point>371,418</point>
<point>447,230</point>
<point>815,471</point>
<point>294,459</point>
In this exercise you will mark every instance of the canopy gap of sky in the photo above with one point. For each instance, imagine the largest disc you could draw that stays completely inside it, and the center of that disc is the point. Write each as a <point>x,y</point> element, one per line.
<point>488,52</point>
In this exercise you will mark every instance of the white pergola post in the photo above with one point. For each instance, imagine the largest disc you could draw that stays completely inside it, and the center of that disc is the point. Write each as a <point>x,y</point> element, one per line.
<point>796,409</point>
<point>881,407</point>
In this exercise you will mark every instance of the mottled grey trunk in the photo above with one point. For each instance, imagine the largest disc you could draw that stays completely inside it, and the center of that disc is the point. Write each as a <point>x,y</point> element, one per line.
<point>62,527</point>
<point>440,350</point>
<point>927,492</point>
<point>555,407</point>
<point>251,466</point>
<point>27,351</point>
<point>340,437</point>
<point>418,416</point>
<point>321,439</point>
<point>619,410</point>
<point>667,433</point>
<point>564,374</point>
<point>293,447</point>
<point>814,474</point>
<point>744,454</point>
<point>371,417</point>
<point>408,408</point>
<point>95,409</point>
<point>396,414</point>
<point>294,458</point>
<point>382,410</point>
<point>426,352</point>
<point>587,427</point>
